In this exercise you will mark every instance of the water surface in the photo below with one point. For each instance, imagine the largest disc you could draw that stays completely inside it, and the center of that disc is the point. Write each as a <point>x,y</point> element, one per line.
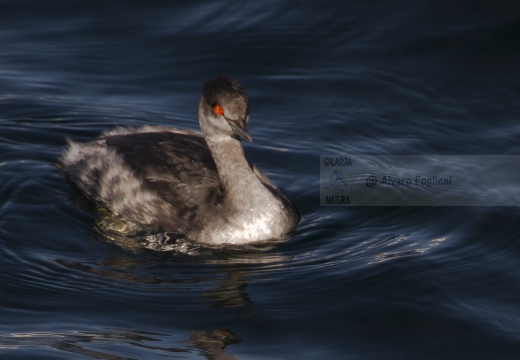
<point>385,78</point>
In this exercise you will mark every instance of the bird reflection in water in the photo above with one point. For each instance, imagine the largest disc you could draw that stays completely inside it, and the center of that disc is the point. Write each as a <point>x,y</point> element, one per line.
<point>226,270</point>
<point>211,343</point>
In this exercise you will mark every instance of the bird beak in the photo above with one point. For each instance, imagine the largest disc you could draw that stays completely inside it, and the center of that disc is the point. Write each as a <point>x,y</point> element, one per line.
<point>240,128</point>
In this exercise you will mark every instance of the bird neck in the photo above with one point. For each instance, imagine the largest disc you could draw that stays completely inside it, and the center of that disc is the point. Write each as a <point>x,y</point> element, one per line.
<point>234,171</point>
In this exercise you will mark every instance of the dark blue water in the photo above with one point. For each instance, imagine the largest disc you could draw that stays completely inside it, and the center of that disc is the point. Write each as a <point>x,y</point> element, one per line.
<point>328,77</point>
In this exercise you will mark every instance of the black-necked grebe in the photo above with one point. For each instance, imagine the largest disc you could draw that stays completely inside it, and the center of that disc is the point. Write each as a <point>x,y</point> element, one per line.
<point>182,181</point>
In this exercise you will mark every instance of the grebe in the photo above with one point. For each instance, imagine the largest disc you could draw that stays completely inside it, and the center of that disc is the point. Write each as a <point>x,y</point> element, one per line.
<point>182,181</point>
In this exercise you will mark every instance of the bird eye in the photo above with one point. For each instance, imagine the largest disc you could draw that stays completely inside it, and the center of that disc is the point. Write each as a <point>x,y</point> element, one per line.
<point>219,110</point>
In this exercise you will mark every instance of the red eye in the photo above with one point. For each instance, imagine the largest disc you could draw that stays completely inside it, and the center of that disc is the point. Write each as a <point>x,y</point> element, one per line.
<point>219,110</point>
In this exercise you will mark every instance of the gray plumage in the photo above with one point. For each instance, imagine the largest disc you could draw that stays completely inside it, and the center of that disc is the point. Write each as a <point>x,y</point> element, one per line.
<point>183,181</point>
